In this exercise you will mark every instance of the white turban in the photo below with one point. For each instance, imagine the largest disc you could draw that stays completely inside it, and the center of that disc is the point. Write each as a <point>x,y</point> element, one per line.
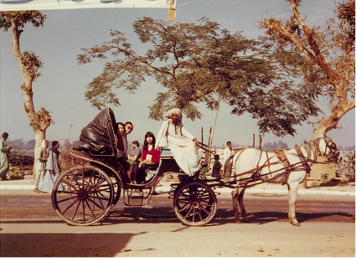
<point>174,111</point>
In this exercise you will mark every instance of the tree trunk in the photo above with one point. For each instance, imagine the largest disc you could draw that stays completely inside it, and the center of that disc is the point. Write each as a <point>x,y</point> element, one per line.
<point>39,121</point>
<point>40,136</point>
<point>329,123</point>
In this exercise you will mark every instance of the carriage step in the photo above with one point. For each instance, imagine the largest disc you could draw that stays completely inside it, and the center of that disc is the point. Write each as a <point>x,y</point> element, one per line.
<point>138,186</point>
<point>136,197</point>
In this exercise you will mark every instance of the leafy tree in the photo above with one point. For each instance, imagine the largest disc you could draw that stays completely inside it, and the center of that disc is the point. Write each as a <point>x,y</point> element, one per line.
<point>201,63</point>
<point>323,56</point>
<point>29,65</point>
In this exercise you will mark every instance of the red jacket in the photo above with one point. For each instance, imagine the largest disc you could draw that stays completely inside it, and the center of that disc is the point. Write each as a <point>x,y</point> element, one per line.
<point>156,155</point>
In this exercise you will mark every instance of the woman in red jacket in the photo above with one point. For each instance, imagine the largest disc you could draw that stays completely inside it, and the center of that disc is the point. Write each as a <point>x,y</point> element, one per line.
<point>150,157</point>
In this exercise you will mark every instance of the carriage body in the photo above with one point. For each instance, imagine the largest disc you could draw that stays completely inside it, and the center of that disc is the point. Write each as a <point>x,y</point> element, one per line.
<point>84,194</point>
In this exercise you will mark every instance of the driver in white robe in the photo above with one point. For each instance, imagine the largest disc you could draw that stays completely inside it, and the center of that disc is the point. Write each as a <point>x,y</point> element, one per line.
<point>180,141</point>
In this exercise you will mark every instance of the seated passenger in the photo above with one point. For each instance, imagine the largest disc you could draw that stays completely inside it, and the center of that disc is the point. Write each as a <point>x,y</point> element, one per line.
<point>150,157</point>
<point>122,147</point>
<point>128,130</point>
<point>134,161</point>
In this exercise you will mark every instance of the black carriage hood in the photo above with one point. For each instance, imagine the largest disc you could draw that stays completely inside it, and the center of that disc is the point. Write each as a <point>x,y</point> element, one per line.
<point>97,138</point>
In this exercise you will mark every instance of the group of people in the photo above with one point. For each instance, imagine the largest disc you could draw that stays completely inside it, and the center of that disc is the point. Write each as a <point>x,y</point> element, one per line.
<point>136,163</point>
<point>46,165</point>
<point>47,168</point>
<point>172,134</point>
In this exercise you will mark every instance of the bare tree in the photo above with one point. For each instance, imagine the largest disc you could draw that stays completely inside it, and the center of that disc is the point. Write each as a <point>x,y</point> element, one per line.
<point>29,65</point>
<point>327,56</point>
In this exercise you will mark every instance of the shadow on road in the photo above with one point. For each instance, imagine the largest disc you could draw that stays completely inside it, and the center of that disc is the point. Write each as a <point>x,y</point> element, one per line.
<point>65,245</point>
<point>223,216</point>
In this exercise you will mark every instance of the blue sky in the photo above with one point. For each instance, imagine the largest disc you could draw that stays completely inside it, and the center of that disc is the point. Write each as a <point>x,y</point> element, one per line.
<point>61,87</point>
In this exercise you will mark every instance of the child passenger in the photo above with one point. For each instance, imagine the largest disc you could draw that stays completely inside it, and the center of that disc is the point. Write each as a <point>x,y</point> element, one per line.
<point>133,159</point>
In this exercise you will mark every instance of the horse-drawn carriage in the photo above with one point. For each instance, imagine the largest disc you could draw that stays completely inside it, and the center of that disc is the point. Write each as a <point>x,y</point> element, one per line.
<point>84,194</point>
<point>92,189</point>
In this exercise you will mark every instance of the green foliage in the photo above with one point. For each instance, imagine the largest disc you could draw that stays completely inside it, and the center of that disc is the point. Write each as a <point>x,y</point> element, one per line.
<point>202,63</point>
<point>32,64</point>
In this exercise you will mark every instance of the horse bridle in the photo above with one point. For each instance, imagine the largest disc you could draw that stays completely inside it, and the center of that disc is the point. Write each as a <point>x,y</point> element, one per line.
<point>334,152</point>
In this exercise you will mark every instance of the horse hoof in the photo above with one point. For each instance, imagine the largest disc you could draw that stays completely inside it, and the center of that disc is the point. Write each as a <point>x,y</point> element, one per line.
<point>238,221</point>
<point>296,224</point>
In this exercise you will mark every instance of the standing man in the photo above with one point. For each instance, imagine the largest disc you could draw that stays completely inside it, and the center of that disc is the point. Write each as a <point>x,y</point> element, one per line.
<point>4,156</point>
<point>228,154</point>
<point>180,141</point>
<point>41,165</point>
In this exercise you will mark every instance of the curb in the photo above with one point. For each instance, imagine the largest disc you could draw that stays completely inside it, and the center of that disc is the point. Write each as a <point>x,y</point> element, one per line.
<point>16,187</point>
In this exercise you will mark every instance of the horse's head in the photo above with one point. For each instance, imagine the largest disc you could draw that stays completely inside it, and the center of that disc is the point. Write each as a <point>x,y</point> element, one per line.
<point>328,148</point>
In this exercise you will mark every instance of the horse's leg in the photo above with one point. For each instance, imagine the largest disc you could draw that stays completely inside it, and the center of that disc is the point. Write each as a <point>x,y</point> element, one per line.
<point>241,203</point>
<point>292,197</point>
<point>235,195</point>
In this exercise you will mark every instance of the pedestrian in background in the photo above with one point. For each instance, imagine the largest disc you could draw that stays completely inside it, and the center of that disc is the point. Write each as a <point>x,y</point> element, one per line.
<point>41,165</point>
<point>52,169</point>
<point>228,154</point>
<point>4,156</point>
<point>216,167</point>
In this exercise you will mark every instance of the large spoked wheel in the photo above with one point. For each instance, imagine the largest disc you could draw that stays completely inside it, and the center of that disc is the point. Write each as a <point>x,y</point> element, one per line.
<point>195,204</point>
<point>117,189</point>
<point>82,196</point>
<point>115,181</point>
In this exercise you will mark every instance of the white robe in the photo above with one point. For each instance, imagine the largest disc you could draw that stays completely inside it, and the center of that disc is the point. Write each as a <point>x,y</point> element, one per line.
<point>181,143</point>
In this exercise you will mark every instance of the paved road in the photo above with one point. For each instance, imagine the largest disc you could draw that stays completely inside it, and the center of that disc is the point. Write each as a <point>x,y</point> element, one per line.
<point>30,227</point>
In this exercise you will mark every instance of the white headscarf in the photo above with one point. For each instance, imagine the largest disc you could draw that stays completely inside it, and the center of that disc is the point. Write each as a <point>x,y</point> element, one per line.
<point>43,144</point>
<point>174,111</point>
<point>178,127</point>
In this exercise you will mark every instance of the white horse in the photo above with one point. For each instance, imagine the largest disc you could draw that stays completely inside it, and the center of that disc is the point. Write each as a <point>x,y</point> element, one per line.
<point>289,166</point>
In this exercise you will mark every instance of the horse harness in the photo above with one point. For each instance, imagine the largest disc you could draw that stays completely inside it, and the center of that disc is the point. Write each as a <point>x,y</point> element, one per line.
<point>282,157</point>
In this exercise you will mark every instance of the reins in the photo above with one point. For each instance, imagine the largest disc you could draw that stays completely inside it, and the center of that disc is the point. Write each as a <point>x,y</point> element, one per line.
<point>206,148</point>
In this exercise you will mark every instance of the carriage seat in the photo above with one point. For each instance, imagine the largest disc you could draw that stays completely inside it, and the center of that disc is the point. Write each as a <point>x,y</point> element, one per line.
<point>151,172</point>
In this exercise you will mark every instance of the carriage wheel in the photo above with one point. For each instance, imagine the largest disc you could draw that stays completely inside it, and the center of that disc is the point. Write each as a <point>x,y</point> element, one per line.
<point>82,196</point>
<point>115,180</point>
<point>118,206</point>
<point>195,204</point>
